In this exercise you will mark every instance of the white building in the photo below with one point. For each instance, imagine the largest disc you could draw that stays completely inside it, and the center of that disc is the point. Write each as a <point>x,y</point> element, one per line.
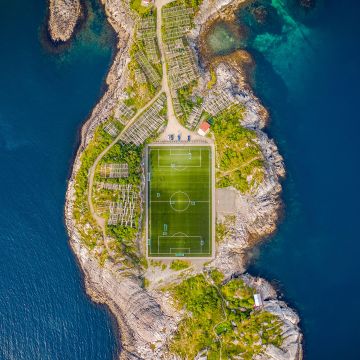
<point>258,300</point>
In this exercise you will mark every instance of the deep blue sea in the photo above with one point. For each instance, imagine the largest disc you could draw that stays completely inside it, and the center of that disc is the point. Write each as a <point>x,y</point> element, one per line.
<point>44,97</point>
<point>307,74</point>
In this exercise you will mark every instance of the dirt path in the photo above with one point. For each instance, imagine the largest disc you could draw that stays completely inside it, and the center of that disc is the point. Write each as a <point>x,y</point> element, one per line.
<point>224,173</point>
<point>223,307</point>
<point>173,126</point>
<point>99,220</point>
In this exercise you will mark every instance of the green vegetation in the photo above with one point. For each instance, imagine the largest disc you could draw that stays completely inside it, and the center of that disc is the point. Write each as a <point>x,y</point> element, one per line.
<point>103,257</point>
<point>146,283</point>
<point>220,318</point>
<point>178,265</point>
<point>194,4</point>
<point>140,93</point>
<point>224,228</point>
<point>160,264</point>
<point>217,276</point>
<point>86,225</point>
<point>186,102</point>
<point>212,80</point>
<point>220,232</point>
<point>141,10</point>
<point>144,263</point>
<point>239,157</point>
<point>124,153</point>
<point>179,202</point>
<point>125,236</point>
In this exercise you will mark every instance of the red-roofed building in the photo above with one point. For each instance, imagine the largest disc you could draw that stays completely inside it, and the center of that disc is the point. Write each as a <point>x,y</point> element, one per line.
<point>204,128</point>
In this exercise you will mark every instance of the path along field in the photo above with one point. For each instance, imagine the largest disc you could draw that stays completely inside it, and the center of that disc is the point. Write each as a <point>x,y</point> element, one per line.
<point>179,200</point>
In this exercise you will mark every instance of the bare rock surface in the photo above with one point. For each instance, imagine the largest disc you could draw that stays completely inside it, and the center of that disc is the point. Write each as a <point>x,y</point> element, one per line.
<point>63,17</point>
<point>144,326</point>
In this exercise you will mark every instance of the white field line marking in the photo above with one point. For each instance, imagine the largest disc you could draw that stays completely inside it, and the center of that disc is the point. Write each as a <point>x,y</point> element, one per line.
<point>182,167</point>
<point>192,253</point>
<point>209,187</point>
<point>173,152</point>
<point>179,201</point>
<point>180,236</point>
<point>177,250</point>
<point>210,207</point>
<point>170,166</point>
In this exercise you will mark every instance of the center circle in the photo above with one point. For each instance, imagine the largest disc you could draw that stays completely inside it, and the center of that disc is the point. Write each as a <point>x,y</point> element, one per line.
<point>179,201</point>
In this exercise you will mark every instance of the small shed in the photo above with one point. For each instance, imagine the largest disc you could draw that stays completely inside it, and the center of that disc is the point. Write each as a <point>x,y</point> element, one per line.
<point>258,300</point>
<point>204,128</point>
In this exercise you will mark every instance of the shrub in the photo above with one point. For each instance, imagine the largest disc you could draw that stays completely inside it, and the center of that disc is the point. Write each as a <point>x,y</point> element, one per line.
<point>179,265</point>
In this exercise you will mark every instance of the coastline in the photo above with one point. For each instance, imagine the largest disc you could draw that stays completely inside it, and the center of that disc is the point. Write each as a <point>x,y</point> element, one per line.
<point>104,285</point>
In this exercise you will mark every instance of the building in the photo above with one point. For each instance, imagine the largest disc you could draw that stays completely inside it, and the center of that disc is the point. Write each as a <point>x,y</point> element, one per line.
<point>258,300</point>
<point>204,128</point>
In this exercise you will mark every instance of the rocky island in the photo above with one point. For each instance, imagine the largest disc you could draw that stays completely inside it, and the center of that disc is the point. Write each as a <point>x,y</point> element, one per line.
<point>162,89</point>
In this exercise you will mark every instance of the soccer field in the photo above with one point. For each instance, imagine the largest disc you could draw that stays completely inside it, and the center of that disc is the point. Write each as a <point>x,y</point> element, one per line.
<point>179,201</point>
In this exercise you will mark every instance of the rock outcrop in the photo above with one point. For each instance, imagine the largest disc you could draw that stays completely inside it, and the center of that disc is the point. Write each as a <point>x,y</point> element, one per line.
<point>63,17</point>
<point>291,347</point>
<point>144,326</point>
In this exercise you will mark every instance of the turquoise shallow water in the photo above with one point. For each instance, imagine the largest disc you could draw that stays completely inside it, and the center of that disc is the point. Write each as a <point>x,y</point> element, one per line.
<point>308,74</point>
<point>44,97</point>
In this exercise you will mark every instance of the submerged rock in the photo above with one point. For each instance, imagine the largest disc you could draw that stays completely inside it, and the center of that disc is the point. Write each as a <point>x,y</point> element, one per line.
<point>309,4</point>
<point>260,14</point>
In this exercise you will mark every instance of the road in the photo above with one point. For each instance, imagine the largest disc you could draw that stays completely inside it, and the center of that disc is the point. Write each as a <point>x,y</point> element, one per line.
<point>173,125</point>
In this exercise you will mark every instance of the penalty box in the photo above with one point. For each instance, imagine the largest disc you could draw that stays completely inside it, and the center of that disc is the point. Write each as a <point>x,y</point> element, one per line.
<point>180,214</point>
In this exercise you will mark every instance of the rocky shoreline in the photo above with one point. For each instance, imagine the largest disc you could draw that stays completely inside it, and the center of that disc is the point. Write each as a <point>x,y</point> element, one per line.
<point>145,316</point>
<point>63,17</point>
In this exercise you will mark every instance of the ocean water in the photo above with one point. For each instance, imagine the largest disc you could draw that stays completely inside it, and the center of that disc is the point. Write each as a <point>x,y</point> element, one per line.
<point>44,97</point>
<point>308,74</point>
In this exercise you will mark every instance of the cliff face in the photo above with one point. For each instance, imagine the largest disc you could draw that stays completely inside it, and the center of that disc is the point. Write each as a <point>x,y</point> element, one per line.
<point>141,319</point>
<point>146,317</point>
<point>63,17</point>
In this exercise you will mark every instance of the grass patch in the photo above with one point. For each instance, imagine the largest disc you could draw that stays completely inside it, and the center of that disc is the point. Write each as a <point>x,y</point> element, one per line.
<point>138,94</point>
<point>186,100</point>
<point>178,265</point>
<point>212,80</point>
<point>194,4</point>
<point>223,229</point>
<point>142,11</point>
<point>87,227</point>
<point>240,331</point>
<point>179,201</point>
<point>239,160</point>
<point>125,236</point>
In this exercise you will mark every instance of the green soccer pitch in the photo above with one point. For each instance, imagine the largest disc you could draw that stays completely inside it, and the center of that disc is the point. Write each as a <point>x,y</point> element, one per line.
<point>179,201</point>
